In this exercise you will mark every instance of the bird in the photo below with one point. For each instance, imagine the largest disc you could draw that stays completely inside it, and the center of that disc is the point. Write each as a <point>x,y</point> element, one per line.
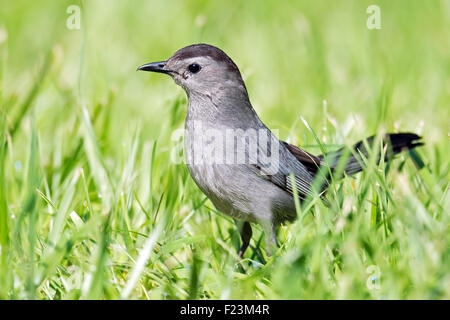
<point>236,160</point>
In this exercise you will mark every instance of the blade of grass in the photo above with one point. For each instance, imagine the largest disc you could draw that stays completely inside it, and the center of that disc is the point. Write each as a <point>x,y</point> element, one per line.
<point>5,270</point>
<point>97,163</point>
<point>144,255</point>
<point>27,104</point>
<point>31,210</point>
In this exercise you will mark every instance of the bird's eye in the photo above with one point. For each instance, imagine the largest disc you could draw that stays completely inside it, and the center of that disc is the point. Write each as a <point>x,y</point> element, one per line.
<point>194,68</point>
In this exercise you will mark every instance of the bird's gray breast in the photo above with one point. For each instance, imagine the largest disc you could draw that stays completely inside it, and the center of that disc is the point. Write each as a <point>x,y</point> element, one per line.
<point>224,183</point>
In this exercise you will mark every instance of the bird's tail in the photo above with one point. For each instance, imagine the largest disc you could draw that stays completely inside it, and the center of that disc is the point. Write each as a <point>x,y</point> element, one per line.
<point>393,143</point>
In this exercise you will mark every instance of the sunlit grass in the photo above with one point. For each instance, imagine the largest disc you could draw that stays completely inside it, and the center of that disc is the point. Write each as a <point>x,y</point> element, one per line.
<point>93,207</point>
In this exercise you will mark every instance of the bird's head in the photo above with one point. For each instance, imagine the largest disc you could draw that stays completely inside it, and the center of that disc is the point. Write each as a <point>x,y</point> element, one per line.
<point>200,68</point>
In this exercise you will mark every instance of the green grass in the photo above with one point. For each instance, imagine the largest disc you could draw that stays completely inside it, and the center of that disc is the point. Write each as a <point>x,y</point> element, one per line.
<point>92,207</point>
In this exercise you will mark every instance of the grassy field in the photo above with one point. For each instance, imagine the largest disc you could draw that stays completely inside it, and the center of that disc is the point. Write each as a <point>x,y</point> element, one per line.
<point>93,207</point>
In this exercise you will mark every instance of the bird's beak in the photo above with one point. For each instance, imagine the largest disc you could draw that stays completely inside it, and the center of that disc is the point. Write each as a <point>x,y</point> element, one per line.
<point>155,67</point>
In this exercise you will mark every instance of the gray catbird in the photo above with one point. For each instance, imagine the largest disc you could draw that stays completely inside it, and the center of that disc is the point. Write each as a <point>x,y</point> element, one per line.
<point>235,159</point>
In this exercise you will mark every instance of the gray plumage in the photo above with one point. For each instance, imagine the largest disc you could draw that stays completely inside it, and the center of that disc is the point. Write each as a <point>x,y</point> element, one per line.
<point>252,191</point>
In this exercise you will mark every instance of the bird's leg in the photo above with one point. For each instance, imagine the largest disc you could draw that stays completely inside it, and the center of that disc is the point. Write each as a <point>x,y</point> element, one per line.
<point>246,234</point>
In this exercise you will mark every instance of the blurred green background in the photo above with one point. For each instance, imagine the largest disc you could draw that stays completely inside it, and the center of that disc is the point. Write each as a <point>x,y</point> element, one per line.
<point>298,58</point>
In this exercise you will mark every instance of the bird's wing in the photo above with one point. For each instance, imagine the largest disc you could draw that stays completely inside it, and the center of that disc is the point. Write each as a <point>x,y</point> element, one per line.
<point>311,162</point>
<point>298,163</point>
